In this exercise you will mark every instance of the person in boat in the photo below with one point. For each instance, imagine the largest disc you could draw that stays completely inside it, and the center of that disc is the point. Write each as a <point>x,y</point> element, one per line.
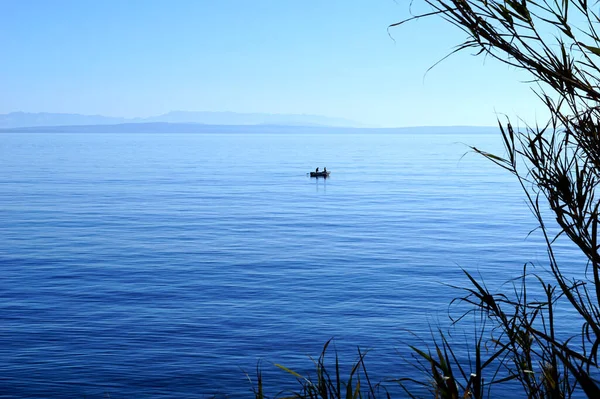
<point>317,170</point>
<point>325,169</point>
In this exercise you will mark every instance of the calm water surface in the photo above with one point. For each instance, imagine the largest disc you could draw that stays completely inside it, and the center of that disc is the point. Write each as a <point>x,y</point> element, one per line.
<point>161,266</point>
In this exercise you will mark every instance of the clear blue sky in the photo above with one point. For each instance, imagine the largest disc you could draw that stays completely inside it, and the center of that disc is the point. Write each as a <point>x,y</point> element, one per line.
<point>328,57</point>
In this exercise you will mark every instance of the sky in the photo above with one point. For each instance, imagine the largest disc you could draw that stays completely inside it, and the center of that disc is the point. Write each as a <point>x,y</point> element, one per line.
<point>337,58</point>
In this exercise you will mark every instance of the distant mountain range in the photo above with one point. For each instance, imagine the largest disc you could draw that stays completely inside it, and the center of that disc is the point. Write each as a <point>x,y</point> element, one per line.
<point>204,122</point>
<point>27,119</point>
<point>165,127</point>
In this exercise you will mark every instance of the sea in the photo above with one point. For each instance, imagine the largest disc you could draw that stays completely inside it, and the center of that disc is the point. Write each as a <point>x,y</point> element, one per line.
<point>184,265</point>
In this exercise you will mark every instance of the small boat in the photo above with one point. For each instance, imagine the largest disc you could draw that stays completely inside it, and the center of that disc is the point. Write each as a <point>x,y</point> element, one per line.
<point>319,174</point>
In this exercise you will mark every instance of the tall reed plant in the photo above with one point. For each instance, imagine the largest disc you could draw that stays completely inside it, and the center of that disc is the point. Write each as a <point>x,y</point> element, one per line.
<point>557,164</point>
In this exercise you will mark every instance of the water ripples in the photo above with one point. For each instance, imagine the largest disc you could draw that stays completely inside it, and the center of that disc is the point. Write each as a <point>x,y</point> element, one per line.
<point>160,266</point>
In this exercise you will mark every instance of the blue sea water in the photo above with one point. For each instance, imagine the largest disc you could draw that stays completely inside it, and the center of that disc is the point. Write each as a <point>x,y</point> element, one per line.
<point>166,265</point>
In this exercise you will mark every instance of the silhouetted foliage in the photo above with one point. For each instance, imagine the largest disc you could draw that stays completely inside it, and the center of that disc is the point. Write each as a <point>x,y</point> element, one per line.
<point>557,164</point>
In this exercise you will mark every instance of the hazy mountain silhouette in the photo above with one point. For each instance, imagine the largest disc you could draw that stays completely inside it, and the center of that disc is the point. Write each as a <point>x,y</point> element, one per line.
<point>234,118</point>
<point>166,127</point>
<point>27,119</point>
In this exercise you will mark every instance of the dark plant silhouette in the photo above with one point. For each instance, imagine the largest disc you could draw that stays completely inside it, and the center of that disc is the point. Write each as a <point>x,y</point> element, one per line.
<point>557,164</point>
